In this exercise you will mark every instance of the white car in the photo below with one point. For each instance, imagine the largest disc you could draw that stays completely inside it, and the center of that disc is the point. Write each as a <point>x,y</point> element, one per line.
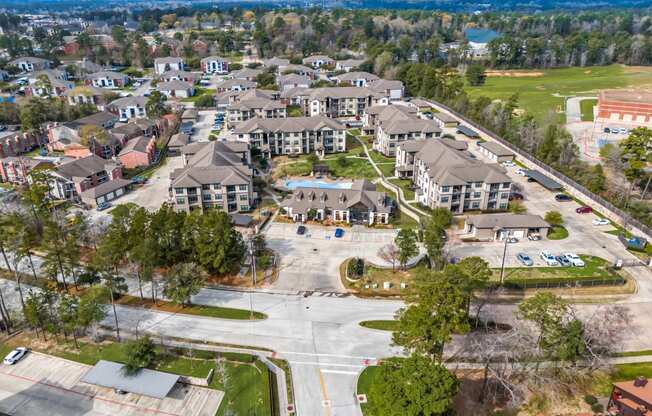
<point>601,221</point>
<point>574,259</point>
<point>509,164</point>
<point>520,172</point>
<point>15,356</point>
<point>548,258</point>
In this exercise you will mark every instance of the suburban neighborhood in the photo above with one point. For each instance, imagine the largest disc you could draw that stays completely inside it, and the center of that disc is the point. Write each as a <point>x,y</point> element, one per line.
<point>319,211</point>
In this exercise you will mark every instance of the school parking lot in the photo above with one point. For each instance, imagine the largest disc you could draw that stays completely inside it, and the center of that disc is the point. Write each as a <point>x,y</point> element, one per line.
<point>46,385</point>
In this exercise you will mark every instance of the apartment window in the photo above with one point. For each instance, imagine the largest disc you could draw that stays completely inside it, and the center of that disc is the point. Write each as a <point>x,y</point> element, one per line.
<point>242,187</point>
<point>205,187</point>
<point>218,197</point>
<point>243,208</point>
<point>181,200</point>
<point>179,191</point>
<point>477,185</point>
<point>475,205</point>
<point>217,186</point>
<point>444,199</point>
<point>445,188</point>
<point>504,195</point>
<point>244,197</point>
<point>477,194</point>
<point>503,206</point>
<point>506,185</point>
<point>206,197</point>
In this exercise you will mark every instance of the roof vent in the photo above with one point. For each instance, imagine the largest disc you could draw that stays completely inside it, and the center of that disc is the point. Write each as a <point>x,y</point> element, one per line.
<point>640,381</point>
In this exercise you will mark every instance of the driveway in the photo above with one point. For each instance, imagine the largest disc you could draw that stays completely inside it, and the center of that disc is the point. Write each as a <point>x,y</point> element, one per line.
<point>310,262</point>
<point>47,385</point>
<point>155,192</point>
<point>203,126</point>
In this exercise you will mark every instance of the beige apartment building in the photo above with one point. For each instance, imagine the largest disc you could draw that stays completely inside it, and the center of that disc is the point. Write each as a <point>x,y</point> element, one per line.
<point>249,108</point>
<point>393,124</point>
<point>445,175</point>
<point>216,175</point>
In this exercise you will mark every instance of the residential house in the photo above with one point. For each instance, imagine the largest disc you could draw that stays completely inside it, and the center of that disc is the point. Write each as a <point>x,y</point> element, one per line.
<point>185,76</point>
<point>138,152</point>
<point>171,63</point>
<point>293,135</point>
<point>30,64</point>
<point>355,79</point>
<point>299,70</point>
<point>348,65</point>
<point>631,398</point>
<point>287,82</point>
<point>129,108</point>
<point>66,137</point>
<point>214,65</point>
<point>361,204</point>
<point>176,89</point>
<point>492,227</point>
<point>216,175</point>
<point>447,176</point>
<point>48,83</point>
<point>177,143</point>
<point>340,101</point>
<point>247,74</point>
<point>87,95</point>
<point>235,85</point>
<point>495,152</point>
<point>391,89</point>
<point>318,61</point>
<point>16,170</point>
<point>245,109</point>
<point>279,63</point>
<point>70,179</point>
<point>107,79</point>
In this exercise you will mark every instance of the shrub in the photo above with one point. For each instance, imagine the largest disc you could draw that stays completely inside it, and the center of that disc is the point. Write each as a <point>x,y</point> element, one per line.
<point>205,100</point>
<point>355,268</point>
<point>597,408</point>
<point>590,400</point>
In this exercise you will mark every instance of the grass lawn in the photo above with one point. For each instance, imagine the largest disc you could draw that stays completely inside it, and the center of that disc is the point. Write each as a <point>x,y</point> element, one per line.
<point>365,381</point>
<point>595,268</point>
<point>197,310</point>
<point>351,168</point>
<point>401,220</point>
<point>386,168</point>
<point>586,106</point>
<point>375,276</point>
<point>557,233</point>
<point>383,325</point>
<point>404,184</point>
<point>199,91</point>
<point>380,158</point>
<point>538,95</point>
<point>294,111</point>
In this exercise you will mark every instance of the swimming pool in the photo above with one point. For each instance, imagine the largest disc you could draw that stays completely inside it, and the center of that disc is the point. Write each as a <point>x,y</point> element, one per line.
<point>305,183</point>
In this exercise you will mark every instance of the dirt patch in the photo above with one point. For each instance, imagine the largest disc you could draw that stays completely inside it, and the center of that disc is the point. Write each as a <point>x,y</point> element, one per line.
<point>514,74</point>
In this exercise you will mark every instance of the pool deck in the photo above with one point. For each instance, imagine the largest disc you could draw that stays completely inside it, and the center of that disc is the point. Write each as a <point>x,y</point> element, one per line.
<point>303,182</point>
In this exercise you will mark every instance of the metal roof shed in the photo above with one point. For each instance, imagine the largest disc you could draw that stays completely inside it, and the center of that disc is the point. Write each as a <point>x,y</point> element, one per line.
<point>543,180</point>
<point>145,382</point>
<point>467,131</point>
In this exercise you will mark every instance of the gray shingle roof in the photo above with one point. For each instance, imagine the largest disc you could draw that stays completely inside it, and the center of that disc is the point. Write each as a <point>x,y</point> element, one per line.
<point>106,187</point>
<point>84,167</point>
<point>290,124</point>
<point>212,162</point>
<point>496,149</point>
<point>498,221</point>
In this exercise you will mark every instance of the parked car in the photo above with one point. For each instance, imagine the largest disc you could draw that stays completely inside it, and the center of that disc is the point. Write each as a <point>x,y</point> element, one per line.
<point>574,259</point>
<point>512,240</point>
<point>606,130</point>
<point>601,221</point>
<point>339,232</point>
<point>102,206</point>
<point>301,230</point>
<point>584,210</point>
<point>548,258</point>
<point>520,171</point>
<point>509,164</point>
<point>524,259</point>
<point>623,130</point>
<point>15,356</point>
<point>531,179</point>
<point>563,261</point>
<point>515,196</point>
<point>562,198</point>
<point>533,237</point>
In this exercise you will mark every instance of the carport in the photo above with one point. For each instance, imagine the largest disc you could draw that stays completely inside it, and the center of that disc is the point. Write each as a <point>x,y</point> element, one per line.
<point>543,180</point>
<point>461,129</point>
<point>145,382</point>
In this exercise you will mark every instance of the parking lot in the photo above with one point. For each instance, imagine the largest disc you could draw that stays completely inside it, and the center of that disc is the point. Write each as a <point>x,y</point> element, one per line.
<point>311,261</point>
<point>45,385</point>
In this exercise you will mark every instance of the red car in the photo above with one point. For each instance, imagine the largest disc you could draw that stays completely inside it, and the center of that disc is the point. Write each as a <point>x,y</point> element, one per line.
<point>584,210</point>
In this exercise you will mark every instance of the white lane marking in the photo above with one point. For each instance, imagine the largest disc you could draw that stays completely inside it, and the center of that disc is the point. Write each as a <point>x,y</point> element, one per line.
<point>353,373</point>
<point>314,354</point>
<point>326,364</point>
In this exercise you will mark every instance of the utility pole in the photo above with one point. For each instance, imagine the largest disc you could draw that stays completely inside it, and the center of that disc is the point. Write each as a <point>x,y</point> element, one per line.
<point>502,266</point>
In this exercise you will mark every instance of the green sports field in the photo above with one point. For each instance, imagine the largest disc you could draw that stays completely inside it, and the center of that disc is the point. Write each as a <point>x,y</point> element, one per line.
<point>542,94</point>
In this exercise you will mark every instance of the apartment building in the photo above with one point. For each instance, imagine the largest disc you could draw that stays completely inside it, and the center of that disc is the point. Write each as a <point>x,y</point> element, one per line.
<point>48,83</point>
<point>129,108</point>
<point>293,135</point>
<point>355,79</point>
<point>447,176</point>
<point>69,180</point>
<point>247,74</point>
<point>171,63</point>
<point>299,70</point>
<point>214,65</point>
<point>394,124</point>
<point>235,85</point>
<point>226,98</point>
<point>185,76</point>
<point>86,95</point>
<point>393,90</point>
<point>279,63</point>
<point>348,65</point>
<point>248,108</point>
<point>360,204</point>
<point>317,61</point>
<point>30,64</point>
<point>340,101</point>
<point>176,89</point>
<point>289,81</point>
<point>216,175</point>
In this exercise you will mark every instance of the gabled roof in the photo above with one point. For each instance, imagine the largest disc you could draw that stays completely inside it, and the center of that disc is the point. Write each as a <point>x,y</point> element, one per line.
<point>287,125</point>
<point>137,101</point>
<point>256,103</point>
<point>174,85</point>
<point>138,144</point>
<point>106,187</point>
<point>168,60</point>
<point>353,76</point>
<point>106,74</point>
<point>213,58</point>
<point>230,83</point>
<point>179,139</point>
<point>245,73</point>
<point>212,162</point>
<point>341,92</point>
<point>382,85</point>
<point>84,167</point>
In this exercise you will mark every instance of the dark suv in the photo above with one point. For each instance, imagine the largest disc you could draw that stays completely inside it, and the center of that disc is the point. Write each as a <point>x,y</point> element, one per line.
<point>301,230</point>
<point>563,198</point>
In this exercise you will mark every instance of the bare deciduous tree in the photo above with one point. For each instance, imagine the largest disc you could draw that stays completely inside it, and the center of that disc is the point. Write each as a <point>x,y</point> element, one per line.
<point>390,254</point>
